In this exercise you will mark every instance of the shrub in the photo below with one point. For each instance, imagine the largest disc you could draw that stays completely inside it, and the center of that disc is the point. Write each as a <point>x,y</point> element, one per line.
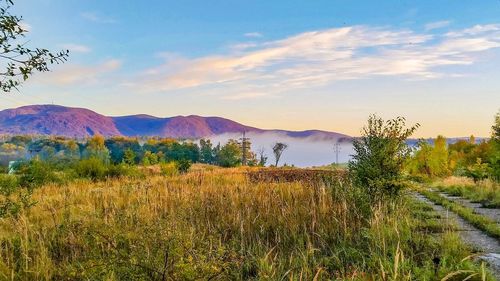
<point>123,170</point>
<point>8,184</point>
<point>478,171</point>
<point>183,165</point>
<point>35,173</point>
<point>92,168</point>
<point>380,154</point>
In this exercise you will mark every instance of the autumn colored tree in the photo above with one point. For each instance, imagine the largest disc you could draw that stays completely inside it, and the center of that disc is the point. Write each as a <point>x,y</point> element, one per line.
<point>439,157</point>
<point>72,150</point>
<point>96,148</point>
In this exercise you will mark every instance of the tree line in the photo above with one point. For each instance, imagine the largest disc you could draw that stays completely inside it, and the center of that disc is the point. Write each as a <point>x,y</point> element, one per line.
<point>134,151</point>
<point>477,160</point>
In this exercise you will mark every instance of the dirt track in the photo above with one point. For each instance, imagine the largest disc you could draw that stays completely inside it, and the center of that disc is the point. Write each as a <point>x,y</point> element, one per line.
<point>488,246</point>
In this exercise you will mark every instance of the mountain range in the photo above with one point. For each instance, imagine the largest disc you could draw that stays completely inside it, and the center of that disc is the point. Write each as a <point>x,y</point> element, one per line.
<point>80,122</point>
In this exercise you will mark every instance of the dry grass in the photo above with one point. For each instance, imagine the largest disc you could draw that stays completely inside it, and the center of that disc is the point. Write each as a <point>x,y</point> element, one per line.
<point>213,225</point>
<point>308,176</point>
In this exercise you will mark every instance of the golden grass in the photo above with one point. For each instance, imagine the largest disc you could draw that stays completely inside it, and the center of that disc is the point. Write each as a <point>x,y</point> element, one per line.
<point>209,224</point>
<point>217,206</point>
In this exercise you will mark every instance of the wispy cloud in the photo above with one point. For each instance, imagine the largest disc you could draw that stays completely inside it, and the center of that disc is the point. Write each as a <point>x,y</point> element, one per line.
<point>97,18</point>
<point>76,48</point>
<point>253,34</point>
<point>317,58</point>
<point>244,95</point>
<point>72,74</point>
<point>476,30</point>
<point>243,46</point>
<point>437,25</point>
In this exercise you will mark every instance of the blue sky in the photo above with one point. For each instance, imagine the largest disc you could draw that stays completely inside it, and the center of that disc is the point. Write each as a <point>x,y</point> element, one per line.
<point>274,64</point>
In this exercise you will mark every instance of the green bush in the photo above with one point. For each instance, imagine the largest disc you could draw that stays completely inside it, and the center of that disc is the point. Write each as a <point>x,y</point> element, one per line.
<point>123,170</point>
<point>478,171</point>
<point>380,153</point>
<point>92,168</point>
<point>35,173</point>
<point>183,165</point>
<point>8,184</point>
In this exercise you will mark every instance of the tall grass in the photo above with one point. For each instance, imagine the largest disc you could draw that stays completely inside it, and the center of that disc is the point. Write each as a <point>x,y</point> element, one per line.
<point>218,225</point>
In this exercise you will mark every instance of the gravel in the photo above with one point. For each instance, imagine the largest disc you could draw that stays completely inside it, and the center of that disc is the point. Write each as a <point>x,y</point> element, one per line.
<point>488,246</point>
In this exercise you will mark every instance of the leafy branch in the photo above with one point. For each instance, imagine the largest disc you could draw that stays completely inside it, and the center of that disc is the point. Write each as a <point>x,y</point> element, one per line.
<point>18,62</point>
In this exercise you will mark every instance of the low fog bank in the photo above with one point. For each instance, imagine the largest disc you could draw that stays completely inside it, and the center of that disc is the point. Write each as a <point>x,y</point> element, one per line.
<point>301,152</point>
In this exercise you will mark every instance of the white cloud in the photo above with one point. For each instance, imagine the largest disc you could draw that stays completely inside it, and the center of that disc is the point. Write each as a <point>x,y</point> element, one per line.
<point>243,46</point>
<point>253,34</point>
<point>71,74</point>
<point>476,30</point>
<point>317,58</point>
<point>77,48</point>
<point>97,18</point>
<point>437,25</point>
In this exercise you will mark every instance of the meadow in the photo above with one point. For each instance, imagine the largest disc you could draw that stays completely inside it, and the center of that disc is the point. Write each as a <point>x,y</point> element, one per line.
<point>227,224</point>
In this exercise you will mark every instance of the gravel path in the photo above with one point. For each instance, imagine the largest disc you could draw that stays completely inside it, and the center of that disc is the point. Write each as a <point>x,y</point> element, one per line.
<point>491,213</point>
<point>471,235</point>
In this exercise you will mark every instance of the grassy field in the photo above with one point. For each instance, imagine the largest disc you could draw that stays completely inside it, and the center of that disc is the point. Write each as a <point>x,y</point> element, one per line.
<point>221,224</point>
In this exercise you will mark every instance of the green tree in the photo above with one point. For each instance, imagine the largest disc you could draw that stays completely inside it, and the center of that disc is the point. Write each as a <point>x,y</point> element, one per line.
<point>420,165</point>
<point>129,157</point>
<point>229,155</point>
<point>430,161</point>
<point>439,157</point>
<point>149,158</point>
<point>495,148</point>
<point>118,145</point>
<point>478,171</point>
<point>206,152</point>
<point>19,61</point>
<point>380,154</point>
<point>495,135</point>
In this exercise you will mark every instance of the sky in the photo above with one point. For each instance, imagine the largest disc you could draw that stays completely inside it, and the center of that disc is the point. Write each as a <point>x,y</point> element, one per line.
<point>290,64</point>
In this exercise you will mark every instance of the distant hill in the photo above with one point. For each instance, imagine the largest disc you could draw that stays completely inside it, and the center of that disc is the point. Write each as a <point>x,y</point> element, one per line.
<point>80,122</point>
